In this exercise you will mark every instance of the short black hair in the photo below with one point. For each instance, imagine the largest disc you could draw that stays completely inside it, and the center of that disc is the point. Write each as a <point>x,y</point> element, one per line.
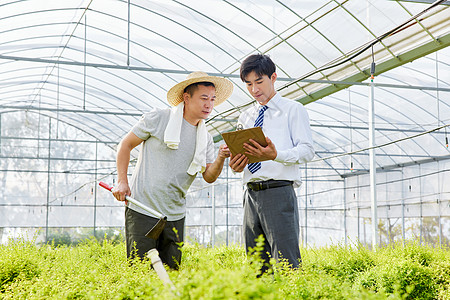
<point>190,89</point>
<point>260,63</point>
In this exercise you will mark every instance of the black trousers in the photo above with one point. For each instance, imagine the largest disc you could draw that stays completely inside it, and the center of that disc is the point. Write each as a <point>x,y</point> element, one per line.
<point>273,213</point>
<point>168,244</point>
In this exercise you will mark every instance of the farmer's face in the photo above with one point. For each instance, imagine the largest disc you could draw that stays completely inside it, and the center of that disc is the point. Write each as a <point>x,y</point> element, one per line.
<point>200,105</point>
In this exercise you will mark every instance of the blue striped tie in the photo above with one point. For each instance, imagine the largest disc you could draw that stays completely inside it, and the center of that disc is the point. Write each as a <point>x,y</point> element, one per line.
<point>253,167</point>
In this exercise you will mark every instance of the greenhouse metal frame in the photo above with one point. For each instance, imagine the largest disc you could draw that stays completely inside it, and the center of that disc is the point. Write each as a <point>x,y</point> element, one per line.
<point>374,77</point>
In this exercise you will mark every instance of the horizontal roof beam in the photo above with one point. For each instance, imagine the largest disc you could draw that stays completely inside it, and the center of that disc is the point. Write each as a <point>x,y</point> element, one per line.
<point>397,166</point>
<point>344,82</point>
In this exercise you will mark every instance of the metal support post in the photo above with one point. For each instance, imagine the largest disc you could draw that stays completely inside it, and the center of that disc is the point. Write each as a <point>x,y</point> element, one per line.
<point>226,166</point>
<point>345,212</point>
<point>84,66</point>
<point>213,224</point>
<point>48,177</point>
<point>372,163</point>
<point>95,187</point>
<point>128,35</point>
<point>403,208</point>
<point>306,205</point>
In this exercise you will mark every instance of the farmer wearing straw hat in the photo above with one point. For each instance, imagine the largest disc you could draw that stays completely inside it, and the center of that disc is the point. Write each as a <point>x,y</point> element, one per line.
<point>175,147</point>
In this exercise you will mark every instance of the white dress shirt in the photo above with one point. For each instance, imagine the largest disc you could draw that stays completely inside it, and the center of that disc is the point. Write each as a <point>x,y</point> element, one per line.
<point>286,123</point>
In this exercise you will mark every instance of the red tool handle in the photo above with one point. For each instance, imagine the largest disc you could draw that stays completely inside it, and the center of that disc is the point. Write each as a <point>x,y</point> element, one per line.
<point>134,201</point>
<point>104,185</point>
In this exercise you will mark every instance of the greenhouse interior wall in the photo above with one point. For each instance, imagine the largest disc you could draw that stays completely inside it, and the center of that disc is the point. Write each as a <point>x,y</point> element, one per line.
<point>75,76</point>
<point>49,187</point>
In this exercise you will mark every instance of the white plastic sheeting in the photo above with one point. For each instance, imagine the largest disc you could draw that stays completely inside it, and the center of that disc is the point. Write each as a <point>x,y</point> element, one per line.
<point>76,75</point>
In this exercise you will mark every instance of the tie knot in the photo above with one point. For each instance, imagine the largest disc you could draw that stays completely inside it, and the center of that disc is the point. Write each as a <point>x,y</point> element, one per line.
<point>263,108</point>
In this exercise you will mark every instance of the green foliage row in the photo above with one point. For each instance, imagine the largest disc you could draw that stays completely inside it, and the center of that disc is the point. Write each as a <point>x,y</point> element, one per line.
<point>71,237</point>
<point>99,270</point>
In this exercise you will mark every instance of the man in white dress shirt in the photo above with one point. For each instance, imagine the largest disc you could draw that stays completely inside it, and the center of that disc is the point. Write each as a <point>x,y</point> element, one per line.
<point>270,202</point>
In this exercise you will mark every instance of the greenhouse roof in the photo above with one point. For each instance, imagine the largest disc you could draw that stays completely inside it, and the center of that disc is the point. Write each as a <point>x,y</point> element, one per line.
<point>98,65</point>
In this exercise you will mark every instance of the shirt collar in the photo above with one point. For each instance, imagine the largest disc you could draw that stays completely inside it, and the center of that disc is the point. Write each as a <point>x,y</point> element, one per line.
<point>273,102</point>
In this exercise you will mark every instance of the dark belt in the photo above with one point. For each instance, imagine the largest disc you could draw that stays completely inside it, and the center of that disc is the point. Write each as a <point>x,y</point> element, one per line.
<point>269,184</point>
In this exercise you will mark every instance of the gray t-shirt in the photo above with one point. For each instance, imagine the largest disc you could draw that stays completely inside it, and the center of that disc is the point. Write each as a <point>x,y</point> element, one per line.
<point>160,179</point>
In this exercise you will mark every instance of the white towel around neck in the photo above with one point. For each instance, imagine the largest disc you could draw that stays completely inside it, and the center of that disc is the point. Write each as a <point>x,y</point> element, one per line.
<point>172,139</point>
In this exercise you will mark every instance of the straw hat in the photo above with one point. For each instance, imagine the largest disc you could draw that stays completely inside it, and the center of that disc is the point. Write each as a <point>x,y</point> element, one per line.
<point>224,87</point>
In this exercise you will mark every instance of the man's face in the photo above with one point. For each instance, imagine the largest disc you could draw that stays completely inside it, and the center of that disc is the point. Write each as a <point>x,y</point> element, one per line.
<point>201,103</point>
<point>261,87</point>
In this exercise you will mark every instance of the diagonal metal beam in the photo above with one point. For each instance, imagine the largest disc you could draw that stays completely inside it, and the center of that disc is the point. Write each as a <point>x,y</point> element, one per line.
<point>422,1</point>
<point>390,64</point>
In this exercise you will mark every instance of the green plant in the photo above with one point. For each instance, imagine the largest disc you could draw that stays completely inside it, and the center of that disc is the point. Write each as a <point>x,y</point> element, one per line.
<point>100,270</point>
<point>343,261</point>
<point>17,262</point>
